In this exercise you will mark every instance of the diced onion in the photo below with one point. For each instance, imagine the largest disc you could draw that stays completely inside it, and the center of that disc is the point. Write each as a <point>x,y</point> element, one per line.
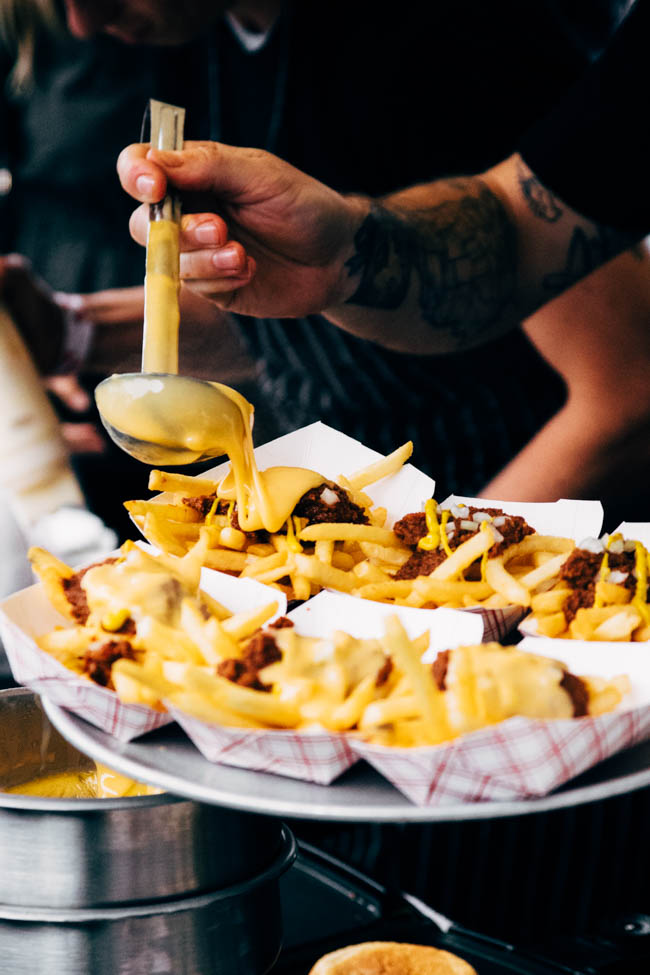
<point>592,545</point>
<point>328,496</point>
<point>616,576</point>
<point>458,510</point>
<point>469,526</point>
<point>500,520</point>
<point>630,545</point>
<point>616,547</point>
<point>498,537</point>
<point>481,516</point>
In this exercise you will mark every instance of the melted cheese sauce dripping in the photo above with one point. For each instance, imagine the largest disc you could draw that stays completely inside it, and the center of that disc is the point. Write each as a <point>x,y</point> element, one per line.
<point>135,587</point>
<point>188,421</point>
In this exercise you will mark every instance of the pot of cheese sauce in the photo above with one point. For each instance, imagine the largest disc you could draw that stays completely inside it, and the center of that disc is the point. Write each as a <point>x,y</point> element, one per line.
<point>74,835</point>
<point>234,931</point>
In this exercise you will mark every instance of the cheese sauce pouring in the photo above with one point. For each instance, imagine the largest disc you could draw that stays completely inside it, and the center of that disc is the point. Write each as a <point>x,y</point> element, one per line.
<point>164,419</point>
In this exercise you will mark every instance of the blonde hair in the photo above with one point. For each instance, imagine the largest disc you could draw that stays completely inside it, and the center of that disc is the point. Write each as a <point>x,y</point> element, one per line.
<point>20,21</point>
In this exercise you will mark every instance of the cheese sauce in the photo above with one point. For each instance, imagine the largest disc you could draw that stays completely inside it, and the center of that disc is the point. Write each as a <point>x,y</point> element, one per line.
<point>161,286</point>
<point>98,783</point>
<point>188,421</point>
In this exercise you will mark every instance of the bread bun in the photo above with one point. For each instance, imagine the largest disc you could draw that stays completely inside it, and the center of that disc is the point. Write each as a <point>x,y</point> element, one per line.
<point>390,958</point>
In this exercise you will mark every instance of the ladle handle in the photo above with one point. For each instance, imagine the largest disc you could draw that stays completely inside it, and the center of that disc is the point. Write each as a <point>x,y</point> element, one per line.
<point>161,312</point>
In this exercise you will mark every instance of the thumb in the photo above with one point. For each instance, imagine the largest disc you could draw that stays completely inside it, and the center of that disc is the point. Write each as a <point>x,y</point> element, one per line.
<point>234,174</point>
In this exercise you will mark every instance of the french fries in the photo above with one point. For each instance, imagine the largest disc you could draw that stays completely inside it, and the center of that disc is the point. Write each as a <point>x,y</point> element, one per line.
<point>481,557</point>
<point>143,630</point>
<point>601,594</point>
<point>378,689</point>
<point>139,617</point>
<point>285,559</point>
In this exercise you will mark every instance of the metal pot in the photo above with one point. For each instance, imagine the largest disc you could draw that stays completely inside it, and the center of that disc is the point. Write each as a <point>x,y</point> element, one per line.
<point>69,853</point>
<point>236,931</point>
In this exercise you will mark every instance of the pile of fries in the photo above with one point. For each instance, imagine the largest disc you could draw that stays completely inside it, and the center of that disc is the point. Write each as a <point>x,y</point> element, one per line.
<point>137,614</point>
<point>381,691</point>
<point>363,558</point>
<point>142,627</point>
<point>601,593</point>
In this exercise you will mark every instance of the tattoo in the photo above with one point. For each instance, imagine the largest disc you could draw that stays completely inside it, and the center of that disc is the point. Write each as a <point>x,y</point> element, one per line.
<point>461,253</point>
<point>540,200</point>
<point>585,254</point>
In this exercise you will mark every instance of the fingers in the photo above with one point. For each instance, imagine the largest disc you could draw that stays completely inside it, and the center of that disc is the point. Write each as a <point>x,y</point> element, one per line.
<point>115,306</point>
<point>218,288</point>
<point>207,255</point>
<point>70,392</point>
<point>197,229</point>
<point>83,438</point>
<point>233,174</point>
<point>141,178</point>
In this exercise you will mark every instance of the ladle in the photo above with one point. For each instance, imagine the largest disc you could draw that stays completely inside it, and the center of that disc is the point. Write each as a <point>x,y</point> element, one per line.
<point>157,416</point>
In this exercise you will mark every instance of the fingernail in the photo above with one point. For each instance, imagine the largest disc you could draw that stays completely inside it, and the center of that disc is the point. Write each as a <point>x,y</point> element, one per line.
<point>145,185</point>
<point>227,259</point>
<point>207,233</point>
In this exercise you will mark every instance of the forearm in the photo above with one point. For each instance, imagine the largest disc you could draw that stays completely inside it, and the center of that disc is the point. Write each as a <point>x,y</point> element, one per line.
<point>577,456</point>
<point>449,265</point>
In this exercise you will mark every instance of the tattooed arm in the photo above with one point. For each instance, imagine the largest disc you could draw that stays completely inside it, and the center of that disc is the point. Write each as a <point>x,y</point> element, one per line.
<point>452,264</point>
<point>435,268</point>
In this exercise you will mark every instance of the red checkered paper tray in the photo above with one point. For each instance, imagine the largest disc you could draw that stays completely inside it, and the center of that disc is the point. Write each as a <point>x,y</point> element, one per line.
<point>517,758</point>
<point>566,518</point>
<point>637,530</point>
<point>28,614</point>
<point>321,448</point>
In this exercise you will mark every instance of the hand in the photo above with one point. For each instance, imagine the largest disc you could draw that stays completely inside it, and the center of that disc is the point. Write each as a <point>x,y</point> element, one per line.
<point>32,306</point>
<point>278,243</point>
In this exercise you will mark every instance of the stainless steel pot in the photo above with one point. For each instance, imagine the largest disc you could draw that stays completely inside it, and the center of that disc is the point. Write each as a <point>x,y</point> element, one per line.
<point>236,931</point>
<point>70,853</point>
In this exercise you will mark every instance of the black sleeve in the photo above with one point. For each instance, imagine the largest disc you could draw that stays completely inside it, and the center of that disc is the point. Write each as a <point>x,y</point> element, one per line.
<point>593,149</point>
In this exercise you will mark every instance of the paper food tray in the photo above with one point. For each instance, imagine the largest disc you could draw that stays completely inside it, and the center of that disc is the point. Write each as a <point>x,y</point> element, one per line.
<point>566,518</point>
<point>331,453</point>
<point>639,531</point>
<point>28,614</point>
<point>515,759</point>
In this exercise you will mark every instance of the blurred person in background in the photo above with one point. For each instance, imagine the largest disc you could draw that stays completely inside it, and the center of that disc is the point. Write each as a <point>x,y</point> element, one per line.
<point>404,99</point>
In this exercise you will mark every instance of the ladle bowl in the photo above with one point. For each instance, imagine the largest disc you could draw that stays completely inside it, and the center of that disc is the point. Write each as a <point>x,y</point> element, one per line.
<point>164,419</point>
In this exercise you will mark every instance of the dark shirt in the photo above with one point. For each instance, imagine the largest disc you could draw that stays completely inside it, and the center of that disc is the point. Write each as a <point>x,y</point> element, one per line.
<point>366,101</point>
<point>593,150</point>
<point>380,103</point>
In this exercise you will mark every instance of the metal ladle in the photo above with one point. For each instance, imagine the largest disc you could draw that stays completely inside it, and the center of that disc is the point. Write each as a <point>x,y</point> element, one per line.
<point>157,399</point>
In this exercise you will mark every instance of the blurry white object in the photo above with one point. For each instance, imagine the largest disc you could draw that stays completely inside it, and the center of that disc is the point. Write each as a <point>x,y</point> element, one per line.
<point>74,535</point>
<point>34,469</point>
<point>15,572</point>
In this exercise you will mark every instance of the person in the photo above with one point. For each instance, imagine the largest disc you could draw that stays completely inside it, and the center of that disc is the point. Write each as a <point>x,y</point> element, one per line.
<point>367,100</point>
<point>442,266</point>
<point>467,419</point>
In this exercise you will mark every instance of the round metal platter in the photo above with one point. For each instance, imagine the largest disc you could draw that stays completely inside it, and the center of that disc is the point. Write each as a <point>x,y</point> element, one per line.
<point>166,758</point>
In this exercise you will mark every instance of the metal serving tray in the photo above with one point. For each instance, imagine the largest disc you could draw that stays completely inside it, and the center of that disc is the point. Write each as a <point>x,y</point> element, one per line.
<point>167,759</point>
